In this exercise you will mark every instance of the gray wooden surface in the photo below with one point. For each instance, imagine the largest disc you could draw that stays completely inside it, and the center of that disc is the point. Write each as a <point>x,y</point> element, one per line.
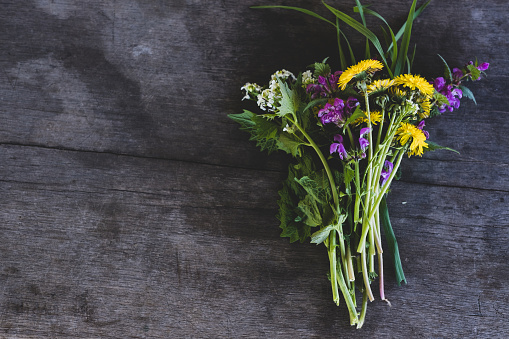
<point>132,207</point>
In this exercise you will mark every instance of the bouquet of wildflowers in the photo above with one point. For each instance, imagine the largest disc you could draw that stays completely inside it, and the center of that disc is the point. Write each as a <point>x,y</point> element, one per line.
<point>348,132</point>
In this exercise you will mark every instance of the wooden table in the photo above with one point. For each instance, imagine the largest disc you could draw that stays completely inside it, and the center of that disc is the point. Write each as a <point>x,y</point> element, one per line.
<point>132,207</point>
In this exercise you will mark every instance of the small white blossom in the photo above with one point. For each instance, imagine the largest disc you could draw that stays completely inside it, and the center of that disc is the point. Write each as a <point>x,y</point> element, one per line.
<point>251,89</point>
<point>307,78</point>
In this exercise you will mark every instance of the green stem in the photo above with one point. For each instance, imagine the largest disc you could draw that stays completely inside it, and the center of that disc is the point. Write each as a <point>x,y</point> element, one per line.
<point>323,160</point>
<point>365,276</point>
<point>363,310</point>
<point>354,318</point>
<point>333,263</point>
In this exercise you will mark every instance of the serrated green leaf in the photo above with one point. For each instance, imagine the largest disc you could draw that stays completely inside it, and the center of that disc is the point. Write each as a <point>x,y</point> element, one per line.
<point>319,236</point>
<point>263,131</point>
<point>349,174</point>
<point>468,93</point>
<point>290,144</point>
<point>321,69</point>
<point>475,73</point>
<point>290,100</point>
<point>311,212</point>
<point>315,189</point>
<point>244,119</point>
<point>440,98</point>
<point>432,146</point>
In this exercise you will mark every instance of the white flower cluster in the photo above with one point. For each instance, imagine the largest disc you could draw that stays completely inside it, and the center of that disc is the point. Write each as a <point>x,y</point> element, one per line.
<point>307,78</point>
<point>251,90</point>
<point>269,98</point>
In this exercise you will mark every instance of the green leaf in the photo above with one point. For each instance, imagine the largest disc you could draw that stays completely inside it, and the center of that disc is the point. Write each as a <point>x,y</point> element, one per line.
<point>319,236</point>
<point>416,14</point>
<point>315,102</point>
<point>392,244</point>
<point>475,73</point>
<point>367,54</point>
<point>349,174</point>
<point>358,113</point>
<point>361,29</point>
<point>244,119</point>
<point>440,98</point>
<point>290,195</point>
<point>262,130</point>
<point>290,100</point>
<point>310,211</point>
<point>405,41</point>
<point>321,69</point>
<point>434,147</point>
<point>290,144</point>
<point>314,188</point>
<point>448,73</point>
<point>468,93</point>
<point>302,10</point>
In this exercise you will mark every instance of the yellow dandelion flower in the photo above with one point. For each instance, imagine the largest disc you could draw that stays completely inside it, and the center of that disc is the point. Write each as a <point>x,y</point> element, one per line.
<point>397,92</point>
<point>415,81</point>
<point>375,116</point>
<point>425,108</point>
<point>379,85</point>
<point>369,66</point>
<point>407,131</point>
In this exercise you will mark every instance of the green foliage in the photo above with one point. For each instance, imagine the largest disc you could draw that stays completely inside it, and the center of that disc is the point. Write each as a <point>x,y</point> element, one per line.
<point>263,131</point>
<point>303,202</point>
<point>440,98</point>
<point>475,73</point>
<point>290,100</point>
<point>321,69</point>
<point>434,147</point>
<point>392,244</point>
<point>468,93</point>
<point>447,71</point>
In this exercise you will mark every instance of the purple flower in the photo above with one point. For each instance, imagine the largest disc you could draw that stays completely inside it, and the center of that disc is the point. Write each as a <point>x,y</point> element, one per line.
<point>484,66</point>
<point>326,86</point>
<point>439,84</point>
<point>457,74</point>
<point>364,131</point>
<point>453,95</point>
<point>338,147</point>
<point>421,126</point>
<point>386,172</point>
<point>337,112</point>
<point>364,143</point>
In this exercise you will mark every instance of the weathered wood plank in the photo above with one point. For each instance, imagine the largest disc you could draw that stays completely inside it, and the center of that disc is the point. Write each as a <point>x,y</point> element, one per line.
<point>164,247</point>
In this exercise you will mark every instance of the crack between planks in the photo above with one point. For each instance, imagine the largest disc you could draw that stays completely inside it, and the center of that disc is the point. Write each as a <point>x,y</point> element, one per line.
<point>137,156</point>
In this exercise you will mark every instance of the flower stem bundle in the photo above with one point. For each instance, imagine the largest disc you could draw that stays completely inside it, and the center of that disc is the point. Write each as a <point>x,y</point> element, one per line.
<point>348,132</point>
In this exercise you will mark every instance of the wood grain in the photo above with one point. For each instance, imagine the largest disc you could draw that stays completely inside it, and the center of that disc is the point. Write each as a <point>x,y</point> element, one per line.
<point>132,207</point>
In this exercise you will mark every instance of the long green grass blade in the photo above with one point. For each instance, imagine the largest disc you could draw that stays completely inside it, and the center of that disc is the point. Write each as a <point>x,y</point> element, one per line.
<point>405,41</point>
<point>297,9</point>
<point>352,55</point>
<point>342,57</point>
<point>363,30</point>
<point>416,14</point>
<point>392,244</point>
<point>393,46</point>
<point>359,7</point>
